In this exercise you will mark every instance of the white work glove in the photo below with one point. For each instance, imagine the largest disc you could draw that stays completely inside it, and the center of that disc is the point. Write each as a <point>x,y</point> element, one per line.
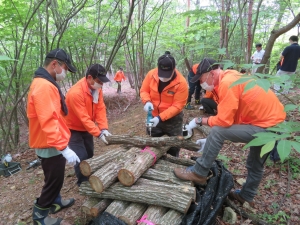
<point>191,126</point>
<point>103,134</point>
<point>201,142</point>
<point>155,121</point>
<point>146,106</point>
<point>70,156</point>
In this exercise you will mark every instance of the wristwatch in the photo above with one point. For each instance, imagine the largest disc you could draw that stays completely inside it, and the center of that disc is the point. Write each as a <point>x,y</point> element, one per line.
<point>198,120</point>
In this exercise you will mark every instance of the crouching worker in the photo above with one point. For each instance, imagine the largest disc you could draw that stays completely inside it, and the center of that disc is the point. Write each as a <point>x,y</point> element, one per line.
<point>87,115</point>
<point>49,134</point>
<point>165,91</point>
<point>240,116</point>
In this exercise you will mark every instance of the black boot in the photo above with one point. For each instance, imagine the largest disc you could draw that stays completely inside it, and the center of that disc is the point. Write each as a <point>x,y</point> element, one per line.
<point>40,216</point>
<point>60,204</point>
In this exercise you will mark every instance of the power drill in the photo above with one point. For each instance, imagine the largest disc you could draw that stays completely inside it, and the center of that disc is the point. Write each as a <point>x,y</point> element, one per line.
<point>149,124</point>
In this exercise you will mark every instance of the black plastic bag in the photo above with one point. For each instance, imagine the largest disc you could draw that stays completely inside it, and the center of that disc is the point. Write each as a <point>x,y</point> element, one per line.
<point>106,219</point>
<point>210,200</point>
<point>274,156</point>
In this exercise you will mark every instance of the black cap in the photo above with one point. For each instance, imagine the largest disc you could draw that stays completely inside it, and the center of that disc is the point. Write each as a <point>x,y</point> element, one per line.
<point>204,66</point>
<point>98,71</point>
<point>166,65</point>
<point>62,56</point>
<point>258,45</point>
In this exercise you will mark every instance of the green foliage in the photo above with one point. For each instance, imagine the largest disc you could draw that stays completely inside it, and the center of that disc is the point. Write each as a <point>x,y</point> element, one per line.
<point>280,217</point>
<point>224,159</point>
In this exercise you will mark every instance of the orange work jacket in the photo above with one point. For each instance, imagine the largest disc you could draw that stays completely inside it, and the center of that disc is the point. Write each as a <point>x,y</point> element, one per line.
<point>213,94</point>
<point>119,76</point>
<point>254,107</point>
<point>170,101</point>
<point>47,126</point>
<point>84,115</point>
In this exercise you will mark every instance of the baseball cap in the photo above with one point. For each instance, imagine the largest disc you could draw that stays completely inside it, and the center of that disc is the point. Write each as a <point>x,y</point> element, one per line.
<point>166,65</point>
<point>204,66</point>
<point>98,71</point>
<point>63,57</point>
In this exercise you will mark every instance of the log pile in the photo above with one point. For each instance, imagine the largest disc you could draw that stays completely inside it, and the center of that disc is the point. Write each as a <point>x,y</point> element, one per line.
<point>138,185</point>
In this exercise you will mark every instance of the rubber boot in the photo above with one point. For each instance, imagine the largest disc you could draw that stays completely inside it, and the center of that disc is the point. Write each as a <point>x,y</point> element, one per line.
<point>60,204</point>
<point>40,216</point>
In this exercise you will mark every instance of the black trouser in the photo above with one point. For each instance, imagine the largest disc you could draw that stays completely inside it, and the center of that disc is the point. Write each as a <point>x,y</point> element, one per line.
<point>54,172</point>
<point>81,142</point>
<point>170,127</point>
<point>119,87</point>
<point>193,87</point>
<point>209,105</point>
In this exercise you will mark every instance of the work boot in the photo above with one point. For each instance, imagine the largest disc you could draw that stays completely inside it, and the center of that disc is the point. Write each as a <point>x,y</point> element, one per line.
<point>197,102</point>
<point>188,106</point>
<point>186,174</point>
<point>235,195</point>
<point>40,216</point>
<point>60,204</point>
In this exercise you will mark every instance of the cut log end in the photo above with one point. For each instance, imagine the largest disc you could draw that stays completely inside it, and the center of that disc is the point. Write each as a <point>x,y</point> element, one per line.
<point>85,168</point>
<point>126,177</point>
<point>96,184</point>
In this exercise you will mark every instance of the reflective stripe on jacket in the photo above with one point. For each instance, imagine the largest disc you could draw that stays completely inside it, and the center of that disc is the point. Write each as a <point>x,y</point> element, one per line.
<point>119,76</point>
<point>255,106</point>
<point>47,126</point>
<point>172,99</point>
<point>84,115</point>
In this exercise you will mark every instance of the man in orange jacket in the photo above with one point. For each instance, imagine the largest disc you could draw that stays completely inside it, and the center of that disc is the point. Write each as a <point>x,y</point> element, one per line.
<point>165,91</point>
<point>49,134</point>
<point>240,116</point>
<point>119,77</point>
<point>87,115</point>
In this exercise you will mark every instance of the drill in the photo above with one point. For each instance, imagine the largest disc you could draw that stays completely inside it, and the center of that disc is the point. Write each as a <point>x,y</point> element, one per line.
<point>149,117</point>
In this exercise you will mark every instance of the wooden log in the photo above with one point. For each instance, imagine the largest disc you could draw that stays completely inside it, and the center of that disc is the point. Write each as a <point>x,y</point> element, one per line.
<point>117,207</point>
<point>88,204</point>
<point>172,217</point>
<point>100,207</point>
<point>158,194</point>
<point>108,174</point>
<point>180,161</point>
<point>166,166</point>
<point>133,212</point>
<point>158,175</point>
<point>153,214</point>
<point>89,166</point>
<point>184,189</point>
<point>129,174</point>
<point>178,141</point>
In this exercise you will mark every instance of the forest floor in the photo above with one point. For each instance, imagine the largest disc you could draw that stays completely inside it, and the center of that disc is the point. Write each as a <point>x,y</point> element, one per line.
<point>277,201</point>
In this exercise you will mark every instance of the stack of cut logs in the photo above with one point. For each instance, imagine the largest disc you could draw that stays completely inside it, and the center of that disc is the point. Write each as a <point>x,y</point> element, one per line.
<point>137,185</point>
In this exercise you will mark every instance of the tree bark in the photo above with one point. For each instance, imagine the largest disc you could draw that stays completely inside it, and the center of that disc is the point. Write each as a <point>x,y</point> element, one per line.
<point>129,174</point>
<point>100,207</point>
<point>117,207</point>
<point>154,194</point>
<point>171,217</point>
<point>89,166</point>
<point>153,214</point>
<point>108,174</point>
<point>178,141</point>
<point>180,161</point>
<point>167,168</point>
<point>132,213</point>
<point>88,204</point>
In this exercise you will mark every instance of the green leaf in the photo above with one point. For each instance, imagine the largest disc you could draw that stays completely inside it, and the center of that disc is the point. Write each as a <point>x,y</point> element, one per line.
<point>284,149</point>
<point>258,142</point>
<point>240,81</point>
<point>4,57</point>
<point>265,84</point>
<point>249,85</point>
<point>296,146</point>
<point>267,148</point>
<point>289,107</point>
<point>221,51</point>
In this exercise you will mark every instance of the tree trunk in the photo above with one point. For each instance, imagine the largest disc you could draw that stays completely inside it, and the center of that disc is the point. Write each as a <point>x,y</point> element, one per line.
<point>171,217</point>
<point>88,204</point>
<point>108,174</point>
<point>153,214</point>
<point>132,213</point>
<point>180,161</point>
<point>178,141</point>
<point>89,166</point>
<point>129,174</point>
<point>249,31</point>
<point>152,194</point>
<point>117,207</point>
<point>100,207</point>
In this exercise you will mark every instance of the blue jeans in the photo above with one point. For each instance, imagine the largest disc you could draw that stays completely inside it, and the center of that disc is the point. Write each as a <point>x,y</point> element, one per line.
<point>193,87</point>
<point>235,133</point>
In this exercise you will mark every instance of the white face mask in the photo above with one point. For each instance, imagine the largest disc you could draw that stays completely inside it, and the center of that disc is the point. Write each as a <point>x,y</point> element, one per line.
<point>165,79</point>
<point>96,86</point>
<point>207,87</point>
<point>62,75</point>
